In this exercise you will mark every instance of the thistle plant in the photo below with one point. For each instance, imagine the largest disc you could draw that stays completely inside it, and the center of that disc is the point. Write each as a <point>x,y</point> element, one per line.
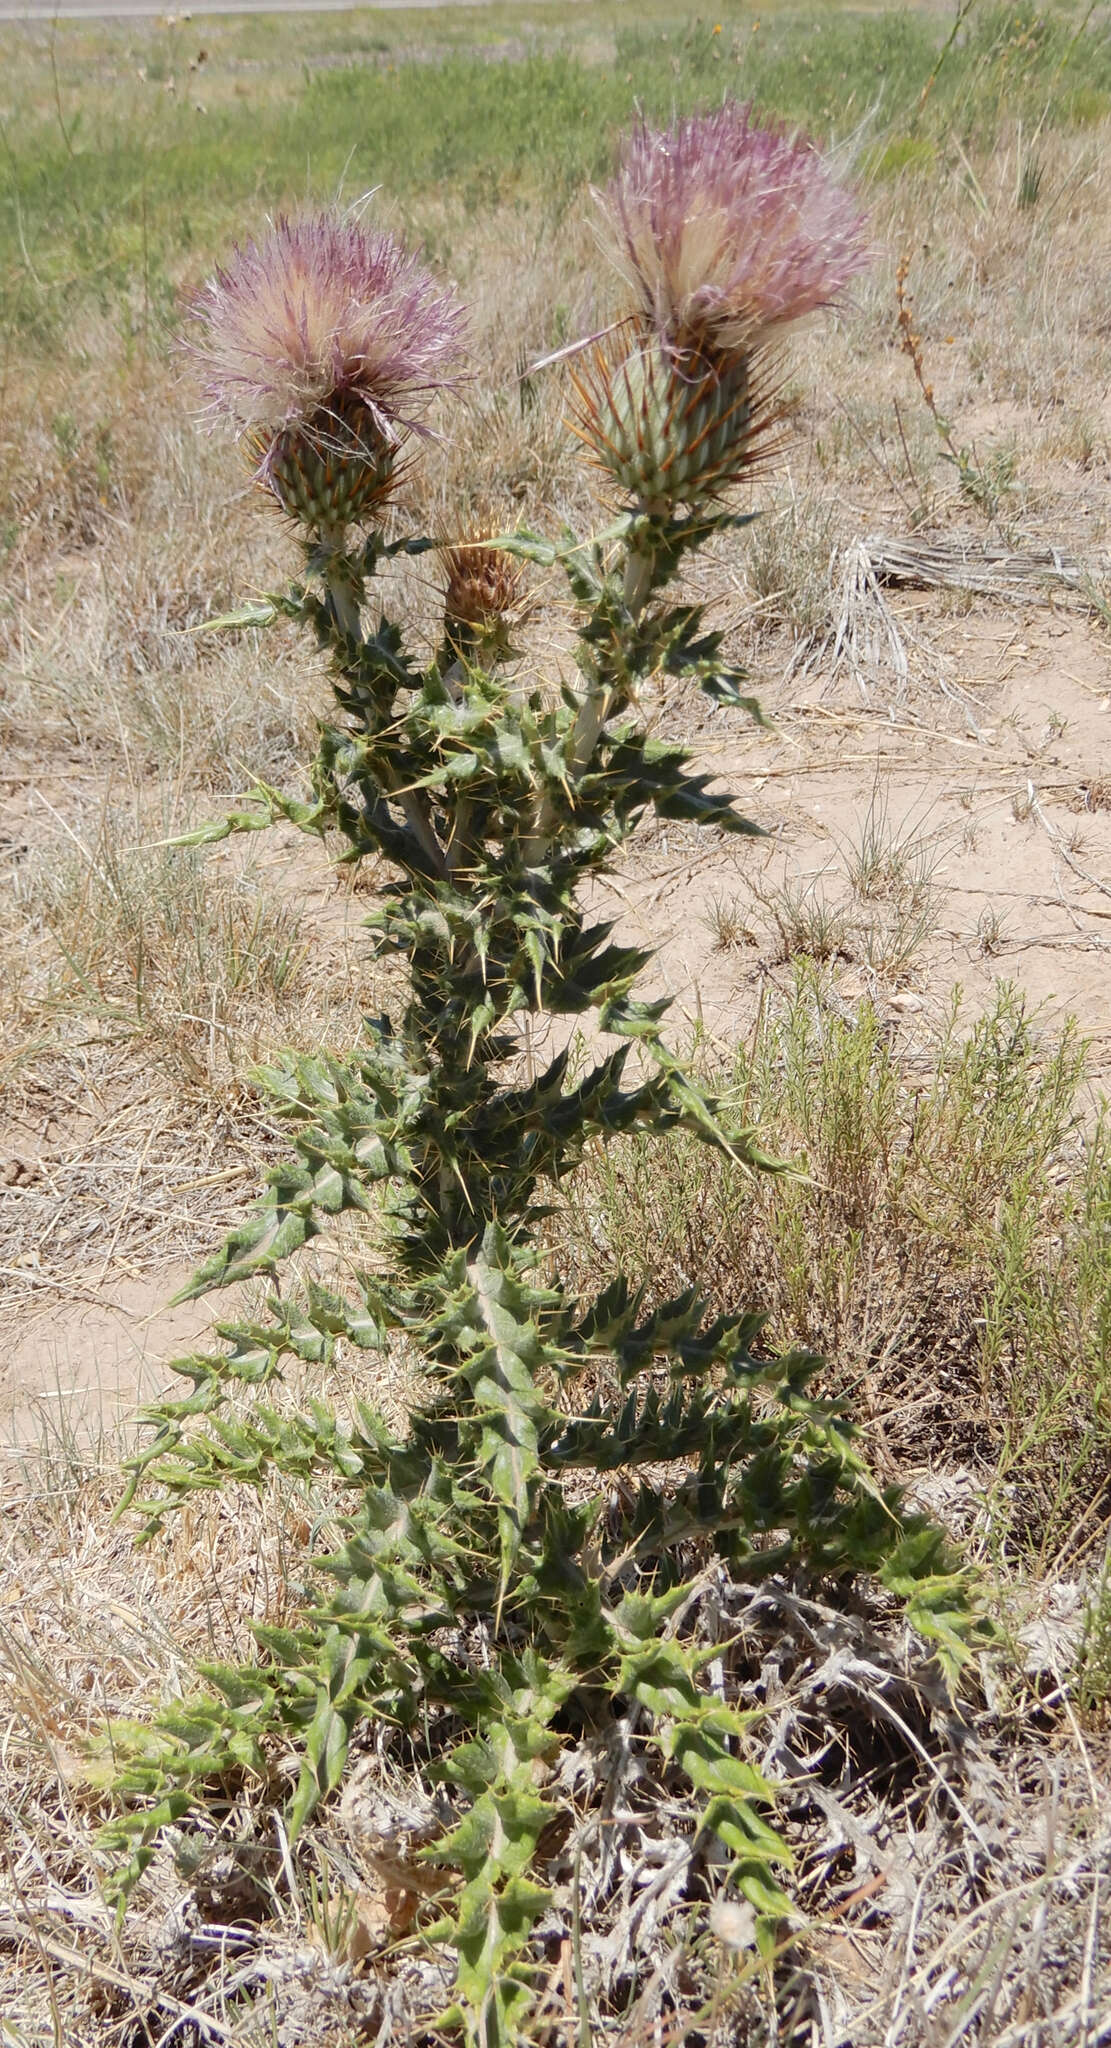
<point>520,1570</point>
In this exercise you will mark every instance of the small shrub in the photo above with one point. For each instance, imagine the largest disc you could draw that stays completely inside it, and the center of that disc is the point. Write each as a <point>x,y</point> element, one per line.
<point>946,1248</point>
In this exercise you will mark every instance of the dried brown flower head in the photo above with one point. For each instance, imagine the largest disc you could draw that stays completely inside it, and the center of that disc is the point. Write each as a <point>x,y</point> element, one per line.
<point>482,585</point>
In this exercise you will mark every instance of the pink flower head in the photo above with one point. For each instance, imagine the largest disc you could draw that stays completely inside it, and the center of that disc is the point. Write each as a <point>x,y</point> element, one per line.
<point>324,316</point>
<point>726,231</point>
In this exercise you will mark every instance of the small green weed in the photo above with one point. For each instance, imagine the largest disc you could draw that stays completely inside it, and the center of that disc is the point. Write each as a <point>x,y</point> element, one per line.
<point>1093,1688</point>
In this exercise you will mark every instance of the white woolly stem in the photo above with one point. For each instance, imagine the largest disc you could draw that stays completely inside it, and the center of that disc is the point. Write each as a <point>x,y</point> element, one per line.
<point>594,710</point>
<point>638,579</point>
<point>344,587</point>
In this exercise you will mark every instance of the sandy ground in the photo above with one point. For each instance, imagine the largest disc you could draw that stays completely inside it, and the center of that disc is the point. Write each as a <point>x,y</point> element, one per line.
<point>1018,845</point>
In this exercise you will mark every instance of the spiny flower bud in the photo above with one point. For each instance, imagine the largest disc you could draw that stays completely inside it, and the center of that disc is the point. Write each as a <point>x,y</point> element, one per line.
<point>481,586</point>
<point>321,342</point>
<point>669,427</point>
<point>726,231</point>
<point>334,469</point>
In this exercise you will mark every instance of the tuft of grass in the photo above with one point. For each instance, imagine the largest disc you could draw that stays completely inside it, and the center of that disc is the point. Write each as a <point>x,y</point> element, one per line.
<point>943,1242</point>
<point>989,933</point>
<point>788,559</point>
<point>806,924</point>
<point>887,861</point>
<point>892,868</point>
<point>1030,180</point>
<point>894,941</point>
<point>153,941</point>
<point>888,915</point>
<point>728,925</point>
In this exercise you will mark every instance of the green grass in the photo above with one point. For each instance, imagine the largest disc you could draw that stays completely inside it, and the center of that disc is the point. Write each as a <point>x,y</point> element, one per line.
<point>116,187</point>
<point>945,1247</point>
<point>1093,1687</point>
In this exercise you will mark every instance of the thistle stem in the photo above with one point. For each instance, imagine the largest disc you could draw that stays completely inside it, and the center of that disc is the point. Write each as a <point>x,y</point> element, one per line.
<point>593,713</point>
<point>344,585</point>
<point>639,565</point>
<point>595,708</point>
<point>420,825</point>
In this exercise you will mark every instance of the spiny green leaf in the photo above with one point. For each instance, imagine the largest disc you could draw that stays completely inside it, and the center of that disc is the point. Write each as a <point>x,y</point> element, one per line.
<point>657,1678</point>
<point>500,1375</point>
<point>526,546</point>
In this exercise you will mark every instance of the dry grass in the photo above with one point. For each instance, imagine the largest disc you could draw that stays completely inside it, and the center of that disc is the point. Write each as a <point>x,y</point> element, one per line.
<point>953,1869</point>
<point>943,1247</point>
<point>956,1874</point>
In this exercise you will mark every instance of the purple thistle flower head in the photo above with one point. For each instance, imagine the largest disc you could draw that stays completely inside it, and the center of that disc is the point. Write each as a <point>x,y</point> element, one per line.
<point>319,310</point>
<point>726,231</point>
<point>325,339</point>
